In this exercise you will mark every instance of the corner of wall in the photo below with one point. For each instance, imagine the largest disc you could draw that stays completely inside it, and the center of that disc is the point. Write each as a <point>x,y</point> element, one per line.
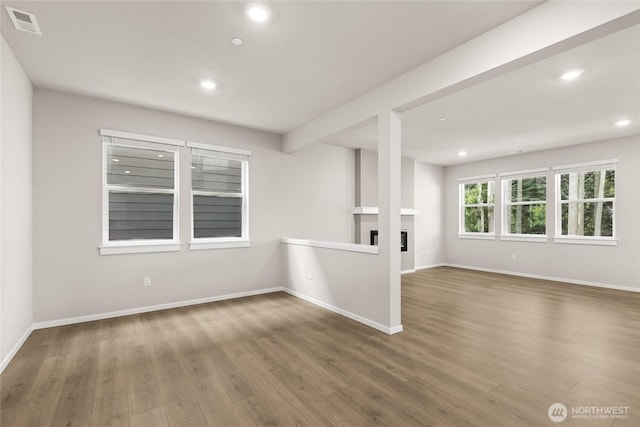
<point>16,206</point>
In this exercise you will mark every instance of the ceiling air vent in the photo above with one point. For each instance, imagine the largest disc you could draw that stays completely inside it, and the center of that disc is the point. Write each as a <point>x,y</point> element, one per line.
<point>24,21</point>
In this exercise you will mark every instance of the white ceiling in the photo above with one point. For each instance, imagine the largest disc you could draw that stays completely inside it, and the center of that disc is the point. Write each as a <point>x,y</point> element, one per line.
<point>311,57</point>
<point>528,109</point>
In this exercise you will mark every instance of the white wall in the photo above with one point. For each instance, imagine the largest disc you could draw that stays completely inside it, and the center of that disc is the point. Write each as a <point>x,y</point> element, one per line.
<point>290,195</point>
<point>16,244</point>
<point>350,283</point>
<point>608,265</point>
<point>429,223</point>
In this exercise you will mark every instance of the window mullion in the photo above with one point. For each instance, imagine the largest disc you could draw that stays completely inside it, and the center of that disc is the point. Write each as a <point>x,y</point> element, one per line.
<point>606,199</point>
<point>216,194</point>
<point>542,202</point>
<point>146,190</point>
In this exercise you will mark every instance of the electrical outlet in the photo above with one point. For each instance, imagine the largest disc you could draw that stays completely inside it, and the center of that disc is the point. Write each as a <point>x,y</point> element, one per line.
<point>421,251</point>
<point>147,281</point>
<point>310,275</point>
<point>514,257</point>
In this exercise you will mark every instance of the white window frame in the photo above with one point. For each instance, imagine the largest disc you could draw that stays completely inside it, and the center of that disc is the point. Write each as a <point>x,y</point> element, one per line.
<point>226,153</point>
<point>140,141</point>
<point>461,207</point>
<point>583,167</point>
<point>505,178</point>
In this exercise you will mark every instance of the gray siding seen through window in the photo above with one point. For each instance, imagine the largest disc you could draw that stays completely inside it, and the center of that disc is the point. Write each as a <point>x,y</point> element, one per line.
<point>141,183</point>
<point>217,197</point>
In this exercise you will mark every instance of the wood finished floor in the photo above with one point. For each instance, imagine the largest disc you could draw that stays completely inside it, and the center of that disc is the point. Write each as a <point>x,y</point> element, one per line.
<point>478,349</point>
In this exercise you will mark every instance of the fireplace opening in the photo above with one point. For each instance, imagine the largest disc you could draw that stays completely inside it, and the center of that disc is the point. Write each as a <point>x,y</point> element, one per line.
<point>404,245</point>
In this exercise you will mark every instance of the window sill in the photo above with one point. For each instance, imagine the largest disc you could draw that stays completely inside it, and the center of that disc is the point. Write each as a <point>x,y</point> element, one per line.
<point>139,247</point>
<point>477,236</point>
<point>576,240</point>
<point>525,238</point>
<point>218,244</point>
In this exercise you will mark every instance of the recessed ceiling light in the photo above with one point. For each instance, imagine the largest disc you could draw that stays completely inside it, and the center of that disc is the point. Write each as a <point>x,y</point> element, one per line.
<point>127,171</point>
<point>462,153</point>
<point>442,119</point>
<point>623,123</point>
<point>237,41</point>
<point>207,84</point>
<point>116,160</point>
<point>160,155</point>
<point>572,74</point>
<point>257,12</point>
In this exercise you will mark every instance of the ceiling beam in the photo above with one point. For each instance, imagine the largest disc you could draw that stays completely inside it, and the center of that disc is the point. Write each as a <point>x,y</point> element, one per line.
<point>549,29</point>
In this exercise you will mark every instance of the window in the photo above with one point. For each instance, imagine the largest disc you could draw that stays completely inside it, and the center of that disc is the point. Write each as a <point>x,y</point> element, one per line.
<point>477,207</point>
<point>524,196</point>
<point>219,197</point>
<point>586,203</point>
<point>140,176</point>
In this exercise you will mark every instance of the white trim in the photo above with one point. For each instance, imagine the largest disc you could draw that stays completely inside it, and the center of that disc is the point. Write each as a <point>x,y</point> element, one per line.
<point>141,145</point>
<point>525,203</point>
<point>7,359</point>
<point>411,270</point>
<point>610,162</point>
<point>462,231</point>
<point>507,202</point>
<point>524,238</point>
<point>476,178</point>
<point>222,242</point>
<point>586,240</point>
<point>477,236</point>
<point>193,144</point>
<point>139,247</point>
<point>594,200</point>
<point>350,247</point>
<point>550,278</point>
<point>176,197</point>
<point>395,329</point>
<point>139,310</point>
<point>365,210</point>
<point>373,210</point>
<point>142,137</point>
<point>216,194</point>
<point>144,190</point>
<point>428,266</point>
<point>105,195</point>
<point>219,244</point>
<point>526,172</point>
<point>387,330</point>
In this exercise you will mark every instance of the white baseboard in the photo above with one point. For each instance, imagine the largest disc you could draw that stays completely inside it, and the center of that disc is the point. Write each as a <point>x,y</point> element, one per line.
<point>345,313</point>
<point>111,314</point>
<point>413,270</point>
<point>537,276</point>
<point>15,349</point>
<point>424,267</point>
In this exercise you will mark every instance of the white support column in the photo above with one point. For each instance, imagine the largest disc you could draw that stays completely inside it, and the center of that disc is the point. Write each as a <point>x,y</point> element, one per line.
<point>389,188</point>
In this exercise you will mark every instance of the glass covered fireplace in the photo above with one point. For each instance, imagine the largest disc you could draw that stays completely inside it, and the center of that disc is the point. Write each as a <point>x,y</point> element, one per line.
<point>403,239</point>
